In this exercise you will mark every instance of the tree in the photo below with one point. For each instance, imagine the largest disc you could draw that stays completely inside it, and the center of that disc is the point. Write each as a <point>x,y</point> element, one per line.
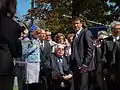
<point>114,8</point>
<point>55,21</point>
<point>91,9</point>
<point>96,10</point>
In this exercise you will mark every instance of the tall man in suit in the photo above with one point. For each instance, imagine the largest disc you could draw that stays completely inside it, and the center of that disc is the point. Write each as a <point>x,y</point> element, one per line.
<point>82,53</point>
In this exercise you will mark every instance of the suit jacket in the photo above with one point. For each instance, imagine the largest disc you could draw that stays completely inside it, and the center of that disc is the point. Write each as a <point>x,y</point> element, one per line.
<point>54,65</point>
<point>117,61</point>
<point>45,55</point>
<point>107,51</point>
<point>85,48</point>
<point>10,45</point>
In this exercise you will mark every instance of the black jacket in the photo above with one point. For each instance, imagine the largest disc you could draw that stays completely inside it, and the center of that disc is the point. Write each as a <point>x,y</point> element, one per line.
<point>85,49</point>
<point>10,45</point>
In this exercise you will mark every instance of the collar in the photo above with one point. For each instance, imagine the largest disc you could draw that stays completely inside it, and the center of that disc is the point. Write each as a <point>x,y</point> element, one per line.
<point>60,57</point>
<point>118,37</point>
<point>78,32</point>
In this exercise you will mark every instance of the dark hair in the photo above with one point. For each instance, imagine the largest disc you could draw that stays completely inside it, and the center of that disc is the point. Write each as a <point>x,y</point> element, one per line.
<point>76,18</point>
<point>22,28</point>
<point>8,7</point>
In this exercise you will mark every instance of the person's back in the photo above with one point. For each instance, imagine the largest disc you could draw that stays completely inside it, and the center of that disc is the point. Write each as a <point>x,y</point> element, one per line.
<point>8,44</point>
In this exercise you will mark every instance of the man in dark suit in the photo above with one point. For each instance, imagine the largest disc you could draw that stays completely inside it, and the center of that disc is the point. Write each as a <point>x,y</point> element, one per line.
<point>44,55</point>
<point>116,56</point>
<point>108,47</point>
<point>117,63</point>
<point>45,49</point>
<point>82,54</point>
<point>10,46</point>
<point>61,74</point>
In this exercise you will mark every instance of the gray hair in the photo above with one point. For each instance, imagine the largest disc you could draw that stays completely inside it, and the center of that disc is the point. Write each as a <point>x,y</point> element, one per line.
<point>56,46</point>
<point>114,23</point>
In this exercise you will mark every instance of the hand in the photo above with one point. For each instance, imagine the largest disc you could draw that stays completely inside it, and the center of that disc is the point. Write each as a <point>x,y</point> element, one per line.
<point>54,75</point>
<point>83,69</point>
<point>112,76</point>
<point>105,71</point>
<point>67,77</point>
<point>36,45</point>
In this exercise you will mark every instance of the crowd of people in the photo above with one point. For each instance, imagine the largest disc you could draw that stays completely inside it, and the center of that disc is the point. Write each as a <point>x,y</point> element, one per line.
<point>43,62</point>
<point>73,62</point>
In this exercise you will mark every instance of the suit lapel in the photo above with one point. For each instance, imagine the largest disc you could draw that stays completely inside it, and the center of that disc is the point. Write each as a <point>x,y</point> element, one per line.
<point>56,63</point>
<point>81,32</point>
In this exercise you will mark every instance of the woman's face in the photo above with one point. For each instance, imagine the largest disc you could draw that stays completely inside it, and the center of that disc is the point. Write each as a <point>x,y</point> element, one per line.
<point>61,40</point>
<point>70,39</point>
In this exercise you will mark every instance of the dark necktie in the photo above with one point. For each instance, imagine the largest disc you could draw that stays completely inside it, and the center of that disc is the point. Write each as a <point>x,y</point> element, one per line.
<point>41,45</point>
<point>60,65</point>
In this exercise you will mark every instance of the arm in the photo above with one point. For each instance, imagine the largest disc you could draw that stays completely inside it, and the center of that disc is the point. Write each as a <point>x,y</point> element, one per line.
<point>89,48</point>
<point>31,48</point>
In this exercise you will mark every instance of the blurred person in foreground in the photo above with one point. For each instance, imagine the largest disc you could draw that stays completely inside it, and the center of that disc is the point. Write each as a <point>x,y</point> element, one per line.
<point>10,45</point>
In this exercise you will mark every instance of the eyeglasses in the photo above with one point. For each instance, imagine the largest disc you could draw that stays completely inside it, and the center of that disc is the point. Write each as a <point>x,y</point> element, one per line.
<point>48,35</point>
<point>61,49</point>
<point>116,28</point>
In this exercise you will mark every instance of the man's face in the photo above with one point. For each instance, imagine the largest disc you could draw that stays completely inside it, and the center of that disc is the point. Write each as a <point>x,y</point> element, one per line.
<point>42,35</point>
<point>116,31</point>
<point>60,50</point>
<point>48,36</point>
<point>76,25</point>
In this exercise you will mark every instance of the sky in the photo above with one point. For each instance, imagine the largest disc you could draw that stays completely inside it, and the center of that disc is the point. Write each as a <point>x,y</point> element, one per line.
<point>22,7</point>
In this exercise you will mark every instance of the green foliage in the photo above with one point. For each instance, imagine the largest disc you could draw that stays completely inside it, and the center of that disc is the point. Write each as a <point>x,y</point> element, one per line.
<point>56,22</point>
<point>95,10</point>
<point>116,1</point>
<point>91,9</point>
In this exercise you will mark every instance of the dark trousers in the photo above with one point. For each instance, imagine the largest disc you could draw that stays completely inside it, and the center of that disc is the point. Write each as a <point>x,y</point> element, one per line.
<point>6,82</point>
<point>110,84</point>
<point>80,80</point>
<point>100,77</point>
<point>33,86</point>
<point>20,72</point>
<point>56,85</point>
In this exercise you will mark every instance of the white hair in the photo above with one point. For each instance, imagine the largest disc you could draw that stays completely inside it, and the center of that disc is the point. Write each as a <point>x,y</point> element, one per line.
<point>114,23</point>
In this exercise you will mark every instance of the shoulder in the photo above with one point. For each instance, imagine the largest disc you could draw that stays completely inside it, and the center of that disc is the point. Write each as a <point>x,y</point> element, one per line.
<point>53,57</point>
<point>87,33</point>
<point>9,21</point>
<point>47,43</point>
<point>10,28</point>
